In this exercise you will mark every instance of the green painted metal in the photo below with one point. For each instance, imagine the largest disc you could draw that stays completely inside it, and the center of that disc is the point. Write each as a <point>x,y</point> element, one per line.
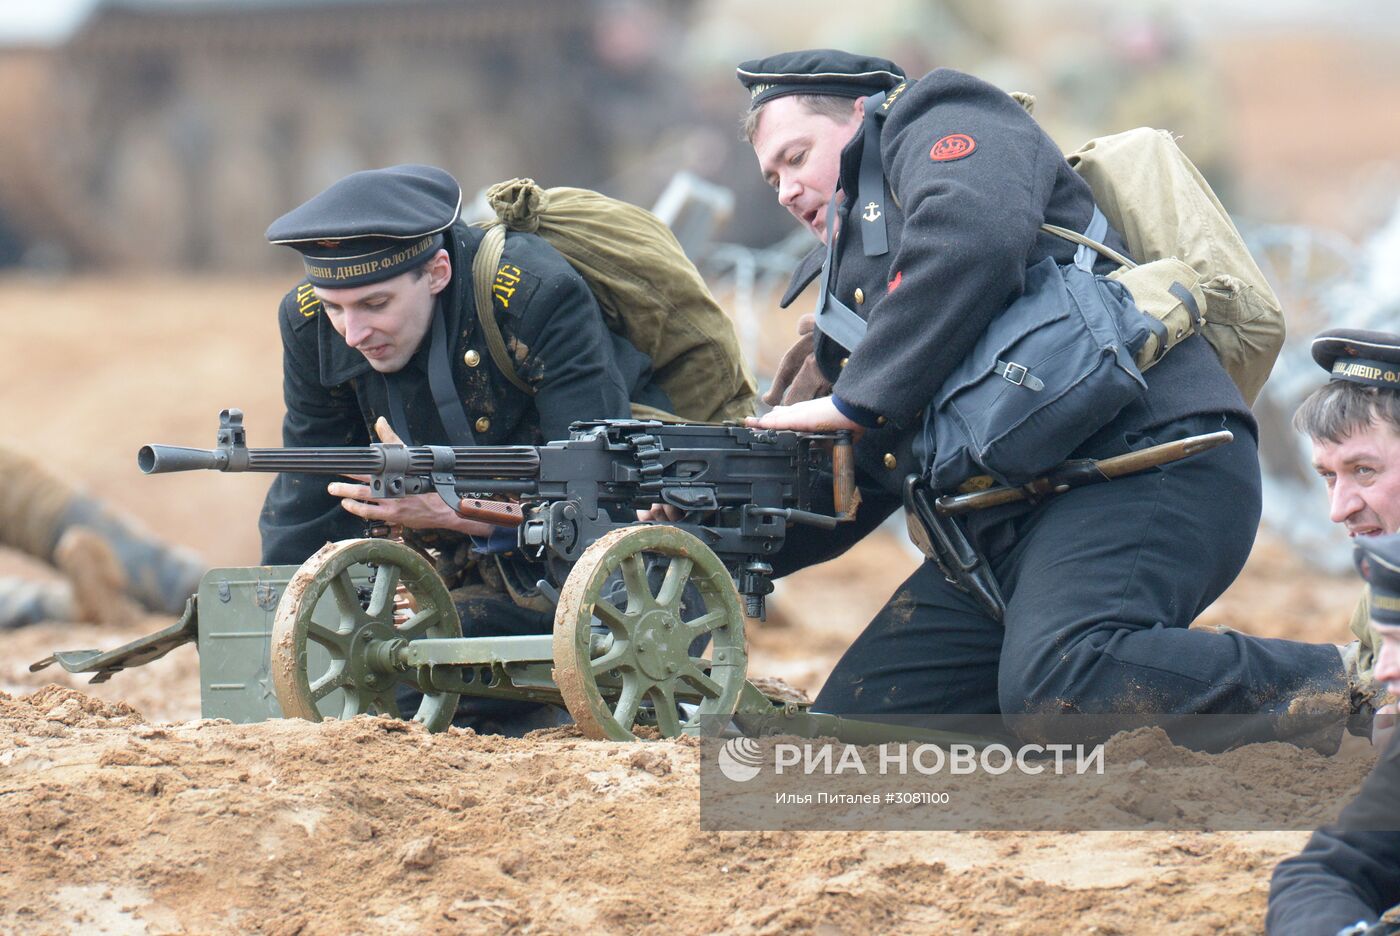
<point>233,622</point>
<point>103,664</point>
<point>364,642</point>
<point>477,651</point>
<point>646,650</point>
<point>235,609</point>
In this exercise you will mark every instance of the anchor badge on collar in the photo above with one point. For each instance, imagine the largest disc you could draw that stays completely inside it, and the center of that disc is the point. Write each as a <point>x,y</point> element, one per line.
<point>872,212</point>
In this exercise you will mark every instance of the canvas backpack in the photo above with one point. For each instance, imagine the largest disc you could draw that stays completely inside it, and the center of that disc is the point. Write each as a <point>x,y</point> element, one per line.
<point>1195,272</point>
<point>648,290</point>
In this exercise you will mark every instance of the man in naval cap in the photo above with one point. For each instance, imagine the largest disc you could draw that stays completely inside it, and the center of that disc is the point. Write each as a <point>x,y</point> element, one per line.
<point>1353,421</point>
<point>382,334</point>
<point>928,196</point>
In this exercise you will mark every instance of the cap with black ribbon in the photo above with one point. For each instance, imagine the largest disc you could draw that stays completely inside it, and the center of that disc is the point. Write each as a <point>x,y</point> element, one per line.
<point>371,225</point>
<point>1378,560</point>
<point>1371,358</point>
<point>817,71</point>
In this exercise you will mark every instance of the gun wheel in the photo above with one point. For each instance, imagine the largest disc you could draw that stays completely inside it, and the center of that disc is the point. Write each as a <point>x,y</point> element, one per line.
<point>362,642</point>
<point>645,661</point>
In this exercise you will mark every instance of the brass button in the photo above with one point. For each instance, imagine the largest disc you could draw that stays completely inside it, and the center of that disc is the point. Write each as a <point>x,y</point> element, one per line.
<point>890,461</point>
<point>483,424</point>
<point>471,357</point>
<point>879,420</point>
<point>844,360</point>
<point>860,295</point>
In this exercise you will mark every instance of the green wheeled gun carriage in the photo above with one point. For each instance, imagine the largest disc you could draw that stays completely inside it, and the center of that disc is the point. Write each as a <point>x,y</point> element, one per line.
<point>648,626</point>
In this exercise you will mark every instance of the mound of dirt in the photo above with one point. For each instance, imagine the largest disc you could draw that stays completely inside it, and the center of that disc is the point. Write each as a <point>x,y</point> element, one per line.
<point>111,824</point>
<point>56,704</point>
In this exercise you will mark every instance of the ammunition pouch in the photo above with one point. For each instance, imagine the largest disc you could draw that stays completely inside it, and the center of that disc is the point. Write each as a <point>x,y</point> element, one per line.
<point>1052,369</point>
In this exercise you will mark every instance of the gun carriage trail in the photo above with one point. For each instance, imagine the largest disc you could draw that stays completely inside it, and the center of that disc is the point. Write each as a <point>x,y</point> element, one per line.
<point>122,812</point>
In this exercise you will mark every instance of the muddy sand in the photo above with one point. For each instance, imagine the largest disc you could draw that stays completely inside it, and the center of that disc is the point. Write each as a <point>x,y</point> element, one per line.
<point>122,812</point>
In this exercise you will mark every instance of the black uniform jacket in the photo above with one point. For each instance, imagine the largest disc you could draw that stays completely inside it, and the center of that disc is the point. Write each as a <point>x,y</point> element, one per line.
<point>1348,872</point>
<point>969,178</point>
<point>552,327</point>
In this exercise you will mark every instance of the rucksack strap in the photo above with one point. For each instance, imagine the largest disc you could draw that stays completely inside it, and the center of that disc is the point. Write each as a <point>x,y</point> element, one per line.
<point>484,267</point>
<point>1089,240</point>
<point>833,317</point>
<point>840,322</point>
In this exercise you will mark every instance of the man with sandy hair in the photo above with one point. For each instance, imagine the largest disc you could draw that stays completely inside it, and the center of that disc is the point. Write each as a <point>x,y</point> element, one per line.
<point>1354,424</point>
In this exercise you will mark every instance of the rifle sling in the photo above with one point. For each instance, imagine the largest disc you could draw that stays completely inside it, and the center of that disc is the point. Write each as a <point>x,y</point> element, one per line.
<point>1087,241</point>
<point>871,184</point>
<point>440,382</point>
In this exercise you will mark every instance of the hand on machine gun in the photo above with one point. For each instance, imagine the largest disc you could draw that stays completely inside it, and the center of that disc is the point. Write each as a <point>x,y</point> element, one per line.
<point>819,415</point>
<point>800,395</point>
<point>660,513</point>
<point>416,511</point>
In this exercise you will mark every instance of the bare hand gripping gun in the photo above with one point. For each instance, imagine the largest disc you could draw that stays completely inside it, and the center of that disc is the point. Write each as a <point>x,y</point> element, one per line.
<point>739,487</point>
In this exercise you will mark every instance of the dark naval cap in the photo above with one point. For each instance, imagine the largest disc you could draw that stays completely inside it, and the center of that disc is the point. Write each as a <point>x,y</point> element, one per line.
<point>1365,357</point>
<point>817,71</point>
<point>1378,561</point>
<point>371,225</point>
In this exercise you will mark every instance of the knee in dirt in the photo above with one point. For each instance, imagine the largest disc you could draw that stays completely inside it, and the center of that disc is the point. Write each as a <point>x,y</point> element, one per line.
<point>1056,681</point>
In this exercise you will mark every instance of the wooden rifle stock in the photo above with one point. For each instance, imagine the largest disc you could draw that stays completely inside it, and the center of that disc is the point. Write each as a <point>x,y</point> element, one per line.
<point>1077,473</point>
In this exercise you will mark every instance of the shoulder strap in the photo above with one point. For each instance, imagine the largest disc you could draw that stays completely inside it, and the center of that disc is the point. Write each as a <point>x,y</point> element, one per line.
<point>1087,241</point>
<point>484,267</point>
<point>871,183</point>
<point>833,317</point>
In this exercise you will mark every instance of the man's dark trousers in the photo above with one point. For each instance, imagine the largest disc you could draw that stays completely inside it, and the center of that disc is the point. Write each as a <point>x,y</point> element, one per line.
<point>1101,584</point>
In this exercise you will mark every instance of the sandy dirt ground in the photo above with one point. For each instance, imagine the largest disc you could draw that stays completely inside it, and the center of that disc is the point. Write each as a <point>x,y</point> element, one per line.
<point>122,812</point>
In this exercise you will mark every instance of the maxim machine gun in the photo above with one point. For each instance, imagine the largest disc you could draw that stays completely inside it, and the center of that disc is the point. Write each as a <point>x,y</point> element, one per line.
<point>648,627</point>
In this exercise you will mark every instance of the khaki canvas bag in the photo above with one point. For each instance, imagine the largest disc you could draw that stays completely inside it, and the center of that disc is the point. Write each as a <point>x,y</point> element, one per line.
<point>1173,223</point>
<point>648,290</point>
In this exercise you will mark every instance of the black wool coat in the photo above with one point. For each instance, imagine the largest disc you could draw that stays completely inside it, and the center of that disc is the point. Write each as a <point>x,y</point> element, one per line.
<point>969,178</point>
<point>551,325</point>
<point>1349,872</point>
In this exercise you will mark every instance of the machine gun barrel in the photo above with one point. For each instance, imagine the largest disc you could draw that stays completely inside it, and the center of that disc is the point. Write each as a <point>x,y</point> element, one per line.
<point>159,459</point>
<point>516,462</point>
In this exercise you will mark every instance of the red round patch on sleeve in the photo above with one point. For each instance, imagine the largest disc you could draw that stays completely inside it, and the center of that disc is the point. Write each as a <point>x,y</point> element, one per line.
<point>953,146</point>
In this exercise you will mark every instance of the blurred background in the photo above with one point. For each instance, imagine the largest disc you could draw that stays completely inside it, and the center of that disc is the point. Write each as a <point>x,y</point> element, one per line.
<point>146,144</point>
